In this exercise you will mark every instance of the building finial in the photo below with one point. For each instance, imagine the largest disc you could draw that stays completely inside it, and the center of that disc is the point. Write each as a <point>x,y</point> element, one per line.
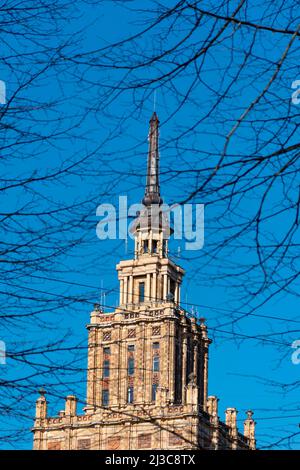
<point>152,191</point>
<point>42,391</point>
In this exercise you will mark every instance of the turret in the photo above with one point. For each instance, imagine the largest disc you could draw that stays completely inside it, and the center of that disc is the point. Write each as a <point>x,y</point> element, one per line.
<point>249,429</point>
<point>41,406</point>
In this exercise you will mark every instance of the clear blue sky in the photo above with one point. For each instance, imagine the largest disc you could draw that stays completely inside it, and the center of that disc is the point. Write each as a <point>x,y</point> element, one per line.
<point>242,369</point>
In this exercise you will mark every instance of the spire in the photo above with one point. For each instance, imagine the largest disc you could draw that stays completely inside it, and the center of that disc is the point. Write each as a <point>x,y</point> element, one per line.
<point>152,192</point>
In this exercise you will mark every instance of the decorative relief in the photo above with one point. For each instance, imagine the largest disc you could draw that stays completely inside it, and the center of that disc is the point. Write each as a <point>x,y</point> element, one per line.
<point>84,444</point>
<point>131,333</point>
<point>175,440</point>
<point>113,443</point>
<point>107,336</point>
<point>144,441</point>
<point>54,445</point>
<point>156,330</point>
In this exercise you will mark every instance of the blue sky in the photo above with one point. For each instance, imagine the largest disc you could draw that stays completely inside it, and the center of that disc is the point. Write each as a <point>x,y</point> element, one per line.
<point>244,370</point>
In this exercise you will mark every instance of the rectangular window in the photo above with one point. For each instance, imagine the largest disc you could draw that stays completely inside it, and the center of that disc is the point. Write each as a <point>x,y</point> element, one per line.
<point>155,364</point>
<point>105,397</point>
<point>145,246</point>
<point>130,347</point>
<point>106,351</point>
<point>130,366</point>
<point>155,345</point>
<point>141,292</point>
<point>154,246</point>
<point>106,368</point>
<point>154,390</point>
<point>130,395</point>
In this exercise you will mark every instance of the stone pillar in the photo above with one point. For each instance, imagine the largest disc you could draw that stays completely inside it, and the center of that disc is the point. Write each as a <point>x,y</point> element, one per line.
<point>40,416</point>
<point>130,290</point>
<point>91,372</point>
<point>195,362</point>
<point>148,288</point>
<point>192,396</point>
<point>176,297</point>
<point>204,346</point>
<point>41,406</point>
<point>249,430</point>
<point>162,396</point>
<point>148,364</point>
<point>230,421</point>
<point>71,405</point>
<point>125,290</point>
<point>122,375</point>
<point>171,359</point>
<point>183,364</point>
<point>212,410</point>
<point>165,288</point>
<point>154,283</point>
<point>121,291</point>
<point>205,384</point>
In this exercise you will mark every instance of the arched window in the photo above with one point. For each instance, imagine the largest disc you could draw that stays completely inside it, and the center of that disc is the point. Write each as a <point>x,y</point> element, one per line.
<point>130,395</point>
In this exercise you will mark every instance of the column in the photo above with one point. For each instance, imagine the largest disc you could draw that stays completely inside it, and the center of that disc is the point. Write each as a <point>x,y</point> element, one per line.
<point>91,372</point>
<point>165,291</point>
<point>154,283</point>
<point>148,288</point>
<point>121,291</point>
<point>184,358</point>
<point>125,291</point>
<point>171,360</point>
<point>130,292</point>
<point>205,387</point>
<point>176,293</point>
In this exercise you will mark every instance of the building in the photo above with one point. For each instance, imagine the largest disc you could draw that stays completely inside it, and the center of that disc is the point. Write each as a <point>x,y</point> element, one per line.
<point>147,377</point>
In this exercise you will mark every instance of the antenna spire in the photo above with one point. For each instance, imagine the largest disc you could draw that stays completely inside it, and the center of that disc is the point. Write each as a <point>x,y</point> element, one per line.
<point>152,191</point>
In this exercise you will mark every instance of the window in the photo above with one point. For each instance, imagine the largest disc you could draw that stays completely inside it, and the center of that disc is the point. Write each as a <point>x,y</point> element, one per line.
<point>106,351</point>
<point>141,292</point>
<point>145,246</point>
<point>155,363</point>
<point>130,366</point>
<point>130,347</point>
<point>105,397</point>
<point>154,246</point>
<point>155,345</point>
<point>106,368</point>
<point>130,395</point>
<point>154,390</point>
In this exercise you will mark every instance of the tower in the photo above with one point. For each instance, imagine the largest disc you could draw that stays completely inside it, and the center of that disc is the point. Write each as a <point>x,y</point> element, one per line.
<point>147,375</point>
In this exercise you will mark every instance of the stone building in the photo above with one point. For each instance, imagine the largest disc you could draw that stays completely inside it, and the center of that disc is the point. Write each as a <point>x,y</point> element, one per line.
<point>147,376</point>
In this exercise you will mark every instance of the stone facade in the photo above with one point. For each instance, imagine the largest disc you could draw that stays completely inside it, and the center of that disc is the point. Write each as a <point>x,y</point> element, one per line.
<point>147,375</point>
